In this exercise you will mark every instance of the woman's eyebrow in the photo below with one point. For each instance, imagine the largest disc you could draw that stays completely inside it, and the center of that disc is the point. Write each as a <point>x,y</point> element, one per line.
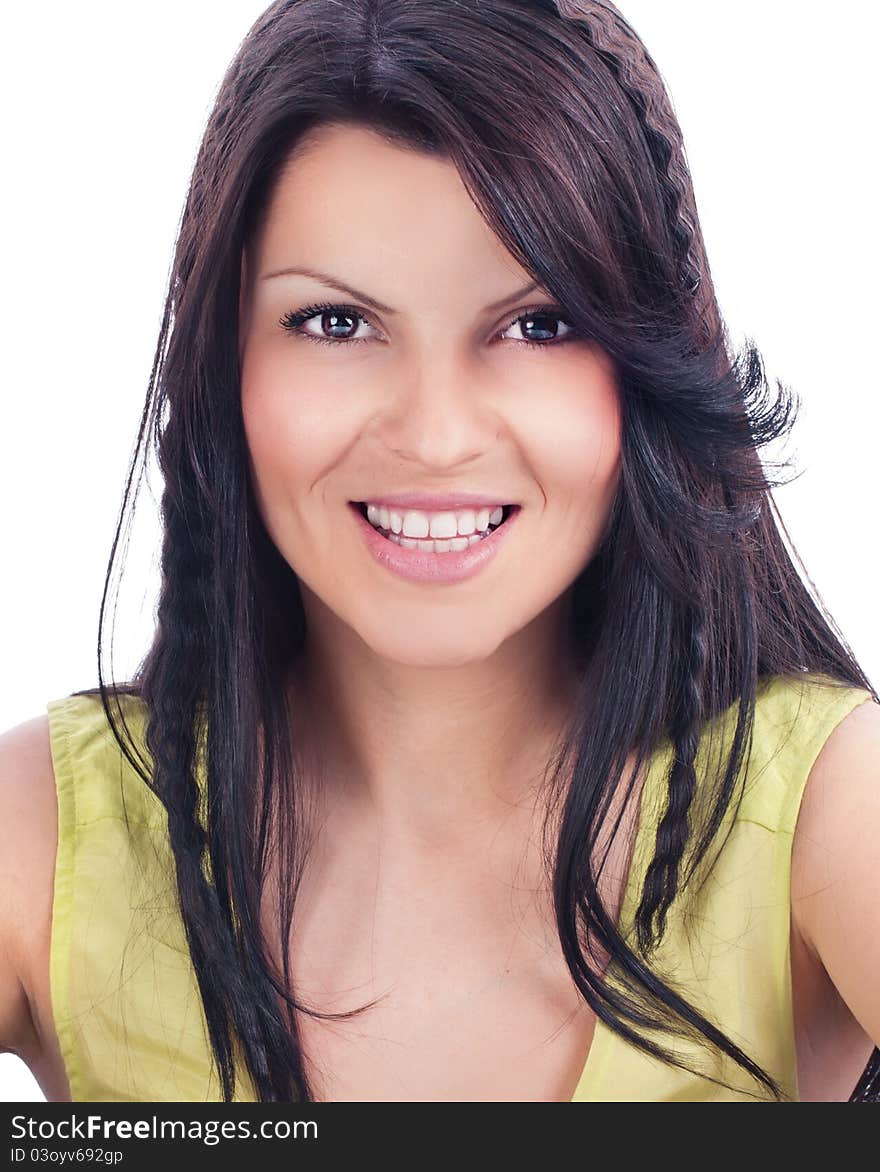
<point>335,283</point>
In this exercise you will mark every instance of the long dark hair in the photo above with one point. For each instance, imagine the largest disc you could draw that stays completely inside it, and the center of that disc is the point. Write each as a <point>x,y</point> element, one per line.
<point>561,128</point>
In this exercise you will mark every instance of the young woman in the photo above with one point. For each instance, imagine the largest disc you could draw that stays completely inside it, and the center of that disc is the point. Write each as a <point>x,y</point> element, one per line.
<point>490,746</point>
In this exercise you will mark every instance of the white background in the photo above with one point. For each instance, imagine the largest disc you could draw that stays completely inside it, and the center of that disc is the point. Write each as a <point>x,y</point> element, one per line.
<point>104,105</point>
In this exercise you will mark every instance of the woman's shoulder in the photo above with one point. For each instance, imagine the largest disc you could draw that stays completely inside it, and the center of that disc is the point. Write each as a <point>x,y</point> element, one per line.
<point>60,770</point>
<point>28,841</point>
<point>794,718</point>
<point>63,776</point>
<point>95,776</point>
<point>834,857</point>
<point>810,703</point>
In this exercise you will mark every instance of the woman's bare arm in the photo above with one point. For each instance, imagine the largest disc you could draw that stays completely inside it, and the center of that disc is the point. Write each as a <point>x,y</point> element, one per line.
<point>834,863</point>
<point>28,839</point>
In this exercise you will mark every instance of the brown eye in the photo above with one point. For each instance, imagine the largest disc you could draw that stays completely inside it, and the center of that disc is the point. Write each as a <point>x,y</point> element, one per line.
<point>331,317</point>
<point>544,322</point>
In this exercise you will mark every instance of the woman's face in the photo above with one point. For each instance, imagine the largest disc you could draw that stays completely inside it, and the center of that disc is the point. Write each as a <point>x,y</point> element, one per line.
<point>435,393</point>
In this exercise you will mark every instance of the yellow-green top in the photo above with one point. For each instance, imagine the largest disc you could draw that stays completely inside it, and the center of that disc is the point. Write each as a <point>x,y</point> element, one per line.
<point>126,1002</point>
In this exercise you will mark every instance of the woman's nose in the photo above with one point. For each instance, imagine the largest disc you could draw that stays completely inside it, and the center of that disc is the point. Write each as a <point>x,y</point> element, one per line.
<point>439,419</point>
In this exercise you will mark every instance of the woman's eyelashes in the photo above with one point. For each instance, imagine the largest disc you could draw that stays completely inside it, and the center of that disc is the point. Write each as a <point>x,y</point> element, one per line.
<point>335,316</point>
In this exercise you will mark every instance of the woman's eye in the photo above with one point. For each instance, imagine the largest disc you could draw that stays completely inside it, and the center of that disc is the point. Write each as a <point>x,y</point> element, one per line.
<point>341,323</point>
<point>340,318</point>
<point>543,322</point>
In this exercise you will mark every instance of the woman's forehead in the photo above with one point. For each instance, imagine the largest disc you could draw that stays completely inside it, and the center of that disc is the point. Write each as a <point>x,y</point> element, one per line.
<point>385,219</point>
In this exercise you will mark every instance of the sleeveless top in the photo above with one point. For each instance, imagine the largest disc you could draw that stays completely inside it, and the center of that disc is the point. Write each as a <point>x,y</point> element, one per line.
<point>125,999</point>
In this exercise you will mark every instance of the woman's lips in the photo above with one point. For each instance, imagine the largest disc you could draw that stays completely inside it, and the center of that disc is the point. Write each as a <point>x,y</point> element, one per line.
<point>419,565</point>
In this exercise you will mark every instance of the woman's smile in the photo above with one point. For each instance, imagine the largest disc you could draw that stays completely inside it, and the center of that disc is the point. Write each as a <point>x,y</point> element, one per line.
<point>426,559</point>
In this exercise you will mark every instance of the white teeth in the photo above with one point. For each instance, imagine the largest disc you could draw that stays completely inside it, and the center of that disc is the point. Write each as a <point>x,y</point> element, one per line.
<point>434,532</point>
<point>444,525</point>
<point>456,545</point>
<point>417,524</point>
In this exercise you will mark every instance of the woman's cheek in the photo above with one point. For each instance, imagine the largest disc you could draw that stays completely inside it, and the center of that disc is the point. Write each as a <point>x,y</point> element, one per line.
<point>574,436</point>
